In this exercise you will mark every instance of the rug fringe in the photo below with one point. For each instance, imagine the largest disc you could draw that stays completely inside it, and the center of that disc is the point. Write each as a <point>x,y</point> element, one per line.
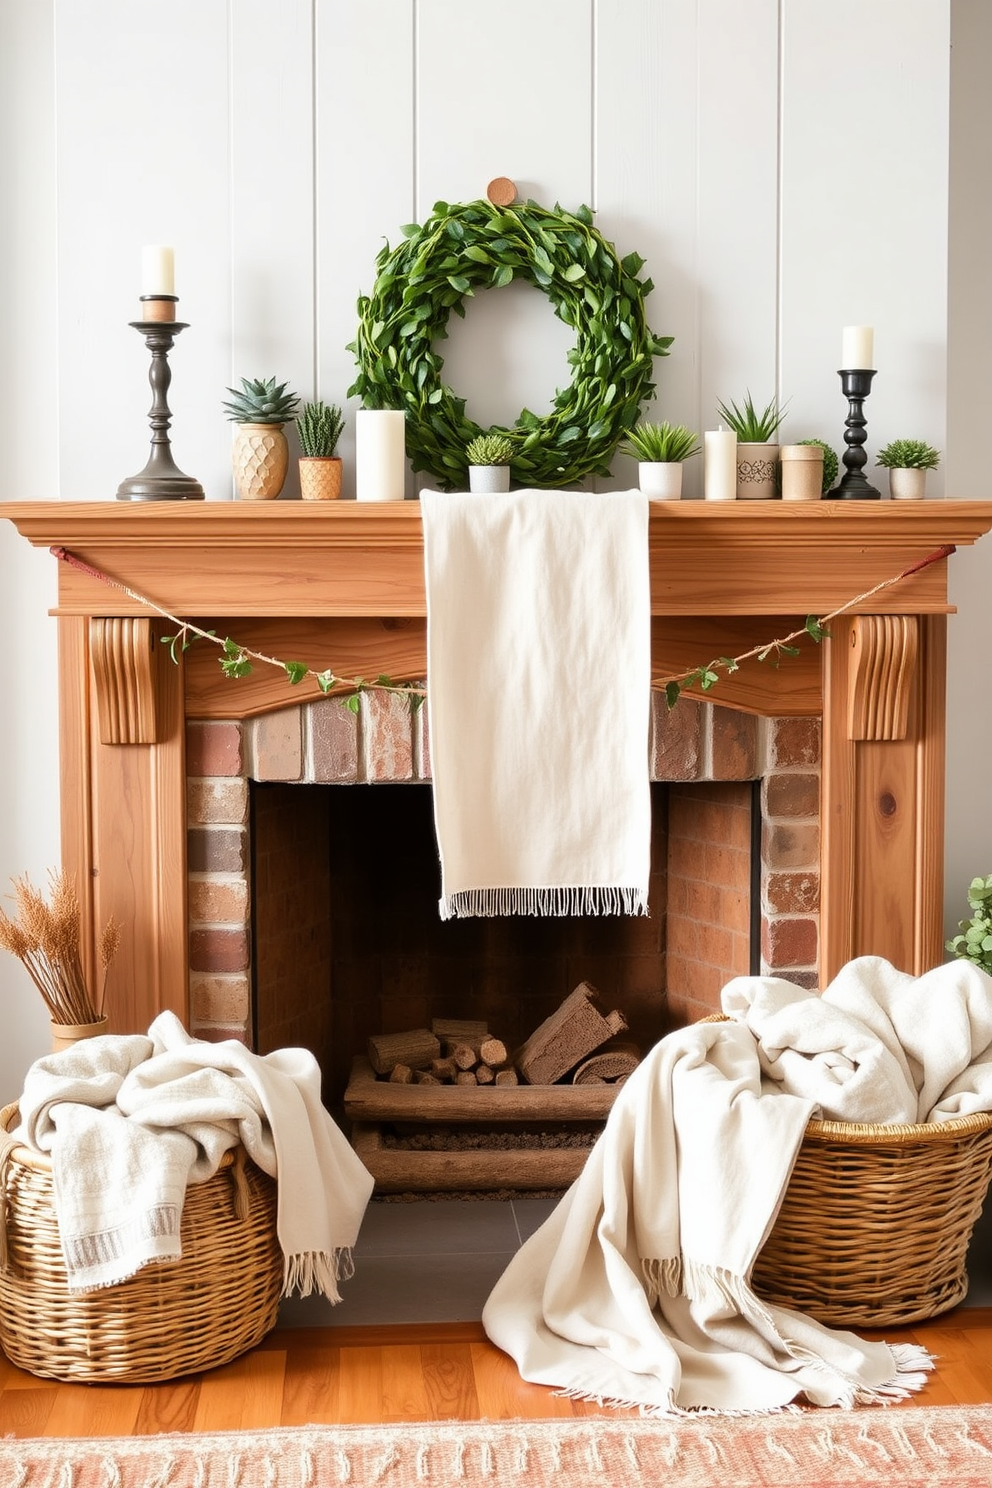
<point>546,902</point>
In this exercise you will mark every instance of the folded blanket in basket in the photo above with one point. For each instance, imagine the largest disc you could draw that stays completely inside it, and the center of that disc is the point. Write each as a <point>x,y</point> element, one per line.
<point>538,680</point>
<point>129,1121</point>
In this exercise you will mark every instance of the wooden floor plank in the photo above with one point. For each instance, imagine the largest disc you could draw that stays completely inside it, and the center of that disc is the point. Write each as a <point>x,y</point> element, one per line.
<point>450,1381</point>
<point>168,1407</point>
<point>311,1389</point>
<point>360,1386</point>
<point>243,1396</point>
<point>504,1396</point>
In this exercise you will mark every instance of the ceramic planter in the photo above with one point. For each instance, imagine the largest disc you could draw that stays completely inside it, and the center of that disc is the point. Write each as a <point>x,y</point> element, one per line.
<point>757,465</point>
<point>259,459</point>
<point>489,477</point>
<point>802,472</point>
<point>320,477</point>
<point>660,480</point>
<point>64,1035</point>
<point>907,485</point>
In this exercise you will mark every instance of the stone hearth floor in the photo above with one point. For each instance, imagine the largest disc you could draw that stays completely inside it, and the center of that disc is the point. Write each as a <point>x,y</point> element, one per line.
<point>435,1262</point>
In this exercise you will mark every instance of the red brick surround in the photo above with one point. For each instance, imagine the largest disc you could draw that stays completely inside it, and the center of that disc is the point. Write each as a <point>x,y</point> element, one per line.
<point>706,752</point>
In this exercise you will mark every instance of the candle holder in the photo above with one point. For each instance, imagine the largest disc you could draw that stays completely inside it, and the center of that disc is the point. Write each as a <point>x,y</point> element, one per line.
<point>161,479</point>
<point>854,486</point>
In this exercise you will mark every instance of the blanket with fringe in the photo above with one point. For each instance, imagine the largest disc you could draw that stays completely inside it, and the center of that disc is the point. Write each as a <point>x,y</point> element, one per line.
<point>130,1120</point>
<point>538,682</point>
<point>636,1290</point>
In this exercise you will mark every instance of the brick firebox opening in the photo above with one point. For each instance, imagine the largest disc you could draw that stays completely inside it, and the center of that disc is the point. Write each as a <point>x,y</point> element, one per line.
<point>313,915</point>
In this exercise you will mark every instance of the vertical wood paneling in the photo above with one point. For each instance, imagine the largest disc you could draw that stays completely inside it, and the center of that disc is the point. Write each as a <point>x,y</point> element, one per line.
<point>364,176</point>
<point>272,198</point>
<point>864,215</point>
<point>142,114</point>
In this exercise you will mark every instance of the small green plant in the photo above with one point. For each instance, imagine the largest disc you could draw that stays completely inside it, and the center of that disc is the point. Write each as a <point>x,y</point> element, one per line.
<point>664,443</point>
<point>750,426</point>
<point>489,449</point>
<point>908,454</point>
<point>975,942</point>
<point>831,464</point>
<point>319,428</point>
<point>261,401</point>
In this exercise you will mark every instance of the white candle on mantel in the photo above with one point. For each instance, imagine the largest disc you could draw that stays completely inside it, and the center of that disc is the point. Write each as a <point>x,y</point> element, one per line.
<point>158,270</point>
<point>720,465</point>
<point>858,349</point>
<point>380,454</point>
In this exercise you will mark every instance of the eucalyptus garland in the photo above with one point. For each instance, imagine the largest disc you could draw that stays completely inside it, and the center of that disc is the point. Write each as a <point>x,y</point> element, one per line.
<point>477,245</point>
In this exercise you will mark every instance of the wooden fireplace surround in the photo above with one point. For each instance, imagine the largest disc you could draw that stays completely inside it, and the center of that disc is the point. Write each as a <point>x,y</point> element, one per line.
<point>341,586</point>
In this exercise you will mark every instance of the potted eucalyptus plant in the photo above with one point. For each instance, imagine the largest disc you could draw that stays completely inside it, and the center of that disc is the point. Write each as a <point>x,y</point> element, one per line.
<point>757,448</point>
<point>660,450</point>
<point>488,458</point>
<point>907,461</point>
<point>260,453</point>
<point>318,427</point>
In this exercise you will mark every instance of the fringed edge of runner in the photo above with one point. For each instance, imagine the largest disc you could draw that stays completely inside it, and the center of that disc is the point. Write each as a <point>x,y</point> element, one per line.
<point>317,1271</point>
<point>546,902</point>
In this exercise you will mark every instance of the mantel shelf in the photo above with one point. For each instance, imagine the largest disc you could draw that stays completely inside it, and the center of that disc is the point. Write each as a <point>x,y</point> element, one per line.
<point>288,558</point>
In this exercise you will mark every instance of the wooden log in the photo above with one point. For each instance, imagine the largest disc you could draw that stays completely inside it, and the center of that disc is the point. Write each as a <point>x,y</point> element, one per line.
<point>369,1099</point>
<point>401,1074</point>
<point>459,1030</point>
<point>424,1077</point>
<point>417,1047</point>
<point>608,1064</point>
<point>422,1172</point>
<point>507,1076</point>
<point>466,1077</point>
<point>484,1074</point>
<point>464,1056</point>
<point>492,1051</point>
<point>573,1031</point>
<point>444,1069</point>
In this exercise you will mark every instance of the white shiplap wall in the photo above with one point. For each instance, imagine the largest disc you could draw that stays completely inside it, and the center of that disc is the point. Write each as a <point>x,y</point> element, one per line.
<point>757,155</point>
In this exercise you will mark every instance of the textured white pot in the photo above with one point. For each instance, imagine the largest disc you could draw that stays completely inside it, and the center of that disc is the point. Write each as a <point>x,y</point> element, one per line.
<point>661,480</point>
<point>489,477</point>
<point>907,485</point>
<point>756,467</point>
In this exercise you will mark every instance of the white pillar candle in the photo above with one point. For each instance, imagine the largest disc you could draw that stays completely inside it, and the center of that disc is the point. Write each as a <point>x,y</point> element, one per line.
<point>720,465</point>
<point>380,454</point>
<point>157,270</point>
<point>858,349</point>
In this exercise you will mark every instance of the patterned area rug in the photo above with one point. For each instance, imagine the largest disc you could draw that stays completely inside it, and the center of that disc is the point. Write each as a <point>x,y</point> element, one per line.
<point>912,1447</point>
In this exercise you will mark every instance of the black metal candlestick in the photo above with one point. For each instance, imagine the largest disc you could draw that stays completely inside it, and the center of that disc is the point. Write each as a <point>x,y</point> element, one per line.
<point>856,384</point>
<point>161,479</point>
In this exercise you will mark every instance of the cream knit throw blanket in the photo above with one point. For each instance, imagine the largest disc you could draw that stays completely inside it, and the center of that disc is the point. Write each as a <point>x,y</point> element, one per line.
<point>538,680</point>
<point>636,1289</point>
<point>129,1121</point>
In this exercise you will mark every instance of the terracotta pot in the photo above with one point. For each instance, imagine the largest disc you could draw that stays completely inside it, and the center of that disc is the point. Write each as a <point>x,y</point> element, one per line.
<point>320,477</point>
<point>489,477</point>
<point>259,459</point>
<point>660,480</point>
<point>64,1035</point>
<point>757,466</point>
<point>907,485</point>
<point>802,472</point>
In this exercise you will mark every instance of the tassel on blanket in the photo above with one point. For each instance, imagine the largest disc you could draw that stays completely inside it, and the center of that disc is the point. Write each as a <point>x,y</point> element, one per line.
<point>317,1272</point>
<point>487,903</point>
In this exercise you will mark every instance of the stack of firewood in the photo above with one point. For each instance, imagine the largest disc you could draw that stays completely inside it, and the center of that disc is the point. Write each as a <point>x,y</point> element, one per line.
<point>578,1043</point>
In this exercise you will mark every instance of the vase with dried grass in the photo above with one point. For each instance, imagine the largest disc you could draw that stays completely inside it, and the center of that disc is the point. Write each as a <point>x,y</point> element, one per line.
<point>44,935</point>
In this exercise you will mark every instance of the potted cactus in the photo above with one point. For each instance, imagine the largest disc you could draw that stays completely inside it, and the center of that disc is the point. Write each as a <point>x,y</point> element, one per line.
<point>260,454</point>
<point>318,427</point>
<point>659,450</point>
<point>907,461</point>
<point>757,449</point>
<point>488,458</point>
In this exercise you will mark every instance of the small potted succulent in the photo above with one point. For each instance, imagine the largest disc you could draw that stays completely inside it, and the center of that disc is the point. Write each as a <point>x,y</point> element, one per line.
<point>260,454</point>
<point>757,449</point>
<point>318,427</point>
<point>907,461</point>
<point>660,450</point>
<point>488,458</point>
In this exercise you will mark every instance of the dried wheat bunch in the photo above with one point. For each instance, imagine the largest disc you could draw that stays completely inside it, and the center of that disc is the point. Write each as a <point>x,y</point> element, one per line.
<point>44,935</point>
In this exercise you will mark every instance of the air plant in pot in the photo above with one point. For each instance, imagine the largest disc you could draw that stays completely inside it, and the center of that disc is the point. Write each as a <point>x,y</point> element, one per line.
<point>44,935</point>
<point>660,450</point>
<point>757,449</point>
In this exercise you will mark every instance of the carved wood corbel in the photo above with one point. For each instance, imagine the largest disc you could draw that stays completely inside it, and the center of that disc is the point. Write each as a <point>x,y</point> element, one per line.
<point>884,649</point>
<point>123,652</point>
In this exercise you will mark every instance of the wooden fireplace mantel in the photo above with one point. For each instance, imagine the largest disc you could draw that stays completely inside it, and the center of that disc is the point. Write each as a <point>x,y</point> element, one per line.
<point>341,585</point>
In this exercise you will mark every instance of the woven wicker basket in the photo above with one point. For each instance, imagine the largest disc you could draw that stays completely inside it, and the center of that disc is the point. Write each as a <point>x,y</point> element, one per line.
<point>875,1223</point>
<point>171,1318</point>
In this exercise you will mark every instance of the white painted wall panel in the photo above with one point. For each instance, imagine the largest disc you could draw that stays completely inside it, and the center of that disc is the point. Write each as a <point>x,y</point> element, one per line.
<point>142,111</point>
<point>365,157</point>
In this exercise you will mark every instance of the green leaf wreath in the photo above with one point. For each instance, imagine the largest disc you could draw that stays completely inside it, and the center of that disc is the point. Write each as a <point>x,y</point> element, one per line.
<point>461,249</point>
